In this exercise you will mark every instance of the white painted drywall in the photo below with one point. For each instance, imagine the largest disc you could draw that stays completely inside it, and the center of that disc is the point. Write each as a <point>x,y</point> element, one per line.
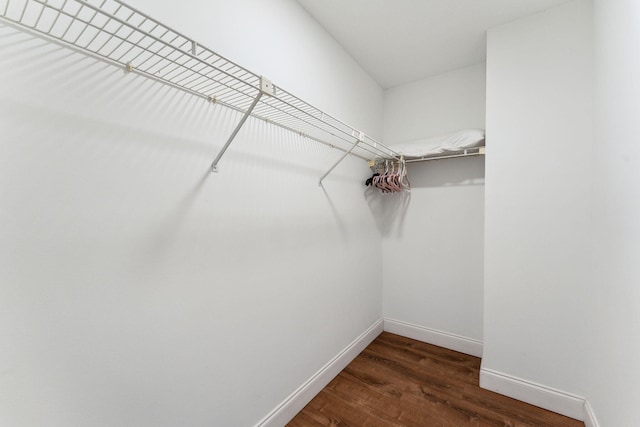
<point>138,289</point>
<point>615,319</point>
<point>538,198</point>
<point>433,236</point>
<point>437,105</point>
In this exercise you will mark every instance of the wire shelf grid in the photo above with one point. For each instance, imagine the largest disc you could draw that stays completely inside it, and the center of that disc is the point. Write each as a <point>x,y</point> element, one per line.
<point>112,31</point>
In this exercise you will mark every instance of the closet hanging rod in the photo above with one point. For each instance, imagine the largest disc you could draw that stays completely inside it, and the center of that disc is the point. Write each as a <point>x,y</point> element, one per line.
<point>114,32</point>
<point>468,152</point>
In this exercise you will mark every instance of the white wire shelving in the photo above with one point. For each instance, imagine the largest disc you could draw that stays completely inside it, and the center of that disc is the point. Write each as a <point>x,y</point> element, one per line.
<point>114,32</point>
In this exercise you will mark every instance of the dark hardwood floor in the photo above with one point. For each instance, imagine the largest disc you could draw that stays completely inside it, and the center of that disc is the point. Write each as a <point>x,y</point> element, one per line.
<point>400,382</point>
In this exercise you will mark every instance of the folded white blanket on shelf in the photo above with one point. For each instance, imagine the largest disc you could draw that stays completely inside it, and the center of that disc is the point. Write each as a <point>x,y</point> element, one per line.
<point>443,144</point>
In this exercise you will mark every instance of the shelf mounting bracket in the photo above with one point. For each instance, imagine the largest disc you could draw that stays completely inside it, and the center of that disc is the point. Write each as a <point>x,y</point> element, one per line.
<point>344,156</point>
<point>266,87</point>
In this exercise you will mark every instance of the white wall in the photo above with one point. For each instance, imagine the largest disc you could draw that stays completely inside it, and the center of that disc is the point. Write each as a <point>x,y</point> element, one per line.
<point>433,236</point>
<point>615,333</point>
<point>138,289</point>
<point>436,105</point>
<point>538,198</point>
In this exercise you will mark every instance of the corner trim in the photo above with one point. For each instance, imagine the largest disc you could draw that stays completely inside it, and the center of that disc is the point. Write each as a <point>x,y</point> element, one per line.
<point>289,408</point>
<point>433,336</point>
<point>545,397</point>
<point>590,419</point>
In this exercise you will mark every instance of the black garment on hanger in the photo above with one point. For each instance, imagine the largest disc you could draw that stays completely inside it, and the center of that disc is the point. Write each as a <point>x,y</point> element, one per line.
<point>369,181</point>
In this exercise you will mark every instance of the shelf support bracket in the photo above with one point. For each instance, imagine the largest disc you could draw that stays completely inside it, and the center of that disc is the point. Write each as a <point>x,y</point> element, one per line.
<point>266,87</point>
<point>344,156</point>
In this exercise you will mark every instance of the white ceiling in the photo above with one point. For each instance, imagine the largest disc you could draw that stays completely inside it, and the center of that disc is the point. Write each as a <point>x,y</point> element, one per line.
<point>400,41</point>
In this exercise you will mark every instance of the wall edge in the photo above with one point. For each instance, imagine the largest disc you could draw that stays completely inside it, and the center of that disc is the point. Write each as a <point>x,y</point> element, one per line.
<point>289,407</point>
<point>433,336</point>
<point>545,397</point>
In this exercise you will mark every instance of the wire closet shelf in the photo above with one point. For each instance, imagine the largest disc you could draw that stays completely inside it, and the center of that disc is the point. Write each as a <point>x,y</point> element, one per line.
<point>112,31</point>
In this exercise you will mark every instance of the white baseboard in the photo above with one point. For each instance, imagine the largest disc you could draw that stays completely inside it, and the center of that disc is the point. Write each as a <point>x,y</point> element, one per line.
<point>433,336</point>
<point>297,400</point>
<point>590,419</point>
<point>536,394</point>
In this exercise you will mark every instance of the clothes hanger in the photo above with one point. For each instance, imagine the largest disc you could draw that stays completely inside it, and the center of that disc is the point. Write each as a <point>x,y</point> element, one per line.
<point>393,178</point>
<point>379,182</point>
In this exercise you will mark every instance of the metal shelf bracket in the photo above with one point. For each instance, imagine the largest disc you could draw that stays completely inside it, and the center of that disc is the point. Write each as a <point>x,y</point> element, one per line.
<point>344,156</point>
<point>266,87</point>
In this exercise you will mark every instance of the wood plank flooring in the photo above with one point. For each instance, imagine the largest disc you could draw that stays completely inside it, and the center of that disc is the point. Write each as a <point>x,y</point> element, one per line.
<point>399,382</point>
